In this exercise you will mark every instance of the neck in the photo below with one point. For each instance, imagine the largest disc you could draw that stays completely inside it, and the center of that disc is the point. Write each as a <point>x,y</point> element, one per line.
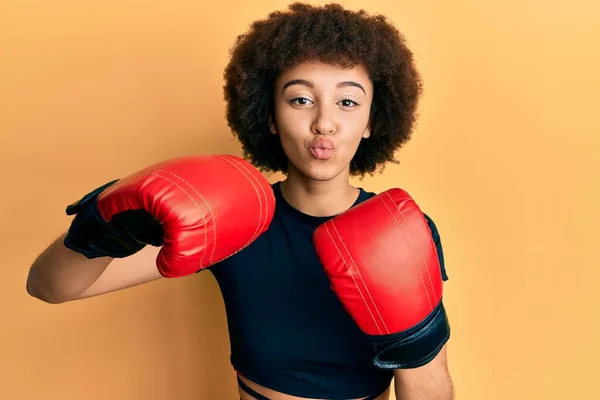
<point>319,198</point>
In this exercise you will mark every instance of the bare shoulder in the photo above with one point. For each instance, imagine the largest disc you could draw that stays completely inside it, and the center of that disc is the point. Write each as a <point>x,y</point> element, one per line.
<point>123,273</point>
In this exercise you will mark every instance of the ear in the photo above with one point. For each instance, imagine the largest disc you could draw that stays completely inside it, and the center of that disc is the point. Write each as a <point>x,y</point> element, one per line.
<point>367,132</point>
<point>272,126</point>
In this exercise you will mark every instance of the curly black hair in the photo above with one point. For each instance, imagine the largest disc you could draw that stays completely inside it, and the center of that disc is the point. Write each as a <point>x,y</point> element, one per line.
<point>333,35</point>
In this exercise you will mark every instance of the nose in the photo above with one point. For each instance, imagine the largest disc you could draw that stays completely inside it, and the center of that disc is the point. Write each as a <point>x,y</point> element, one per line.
<point>323,123</point>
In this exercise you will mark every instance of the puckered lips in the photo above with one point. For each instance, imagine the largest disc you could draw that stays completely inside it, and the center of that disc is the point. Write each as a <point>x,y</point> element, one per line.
<point>322,148</point>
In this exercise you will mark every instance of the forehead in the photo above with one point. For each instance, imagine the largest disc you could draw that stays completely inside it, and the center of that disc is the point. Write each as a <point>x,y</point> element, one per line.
<point>322,74</point>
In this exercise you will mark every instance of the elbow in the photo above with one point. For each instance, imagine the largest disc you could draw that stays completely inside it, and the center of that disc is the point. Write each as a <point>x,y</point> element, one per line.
<point>31,286</point>
<point>45,298</point>
<point>34,292</point>
<point>37,291</point>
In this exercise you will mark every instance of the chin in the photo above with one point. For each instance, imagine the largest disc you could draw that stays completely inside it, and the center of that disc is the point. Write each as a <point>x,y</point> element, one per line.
<point>322,171</point>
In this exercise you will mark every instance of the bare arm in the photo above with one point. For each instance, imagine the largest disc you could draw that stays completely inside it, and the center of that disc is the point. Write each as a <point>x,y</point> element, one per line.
<point>429,382</point>
<point>59,274</point>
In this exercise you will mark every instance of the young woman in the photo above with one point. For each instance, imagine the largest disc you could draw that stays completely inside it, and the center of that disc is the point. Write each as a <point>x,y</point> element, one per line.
<point>320,94</point>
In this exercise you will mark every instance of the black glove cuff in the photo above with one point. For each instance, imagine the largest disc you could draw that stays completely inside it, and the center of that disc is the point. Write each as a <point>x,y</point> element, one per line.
<point>93,237</point>
<point>414,347</point>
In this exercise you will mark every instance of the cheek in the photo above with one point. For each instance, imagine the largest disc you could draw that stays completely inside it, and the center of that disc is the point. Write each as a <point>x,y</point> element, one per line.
<point>290,143</point>
<point>355,129</point>
<point>289,134</point>
<point>350,147</point>
<point>291,125</point>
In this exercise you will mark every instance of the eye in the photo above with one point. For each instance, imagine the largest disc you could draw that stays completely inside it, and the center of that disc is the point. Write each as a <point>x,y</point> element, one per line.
<point>300,101</point>
<point>348,103</point>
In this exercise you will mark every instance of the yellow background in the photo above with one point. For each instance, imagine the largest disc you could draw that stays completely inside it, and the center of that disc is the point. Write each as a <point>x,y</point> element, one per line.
<point>504,159</point>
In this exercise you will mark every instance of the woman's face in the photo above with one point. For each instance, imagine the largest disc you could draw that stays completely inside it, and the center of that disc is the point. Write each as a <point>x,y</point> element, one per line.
<point>321,115</point>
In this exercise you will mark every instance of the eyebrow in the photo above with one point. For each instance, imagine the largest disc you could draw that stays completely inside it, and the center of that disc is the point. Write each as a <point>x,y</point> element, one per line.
<point>310,84</point>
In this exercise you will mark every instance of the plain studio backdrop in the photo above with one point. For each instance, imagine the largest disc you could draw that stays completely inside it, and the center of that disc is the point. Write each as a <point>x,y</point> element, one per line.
<point>504,158</point>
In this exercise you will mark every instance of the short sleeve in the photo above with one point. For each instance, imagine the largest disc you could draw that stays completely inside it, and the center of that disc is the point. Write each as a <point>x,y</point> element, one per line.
<point>438,245</point>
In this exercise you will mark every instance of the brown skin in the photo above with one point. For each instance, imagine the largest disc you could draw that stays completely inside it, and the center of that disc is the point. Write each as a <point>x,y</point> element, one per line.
<point>321,108</point>
<point>365,137</point>
<point>324,105</point>
<point>429,382</point>
<point>334,36</point>
<point>59,274</point>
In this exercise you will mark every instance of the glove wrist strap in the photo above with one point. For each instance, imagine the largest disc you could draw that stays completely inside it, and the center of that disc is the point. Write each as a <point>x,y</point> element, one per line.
<point>90,235</point>
<point>414,347</point>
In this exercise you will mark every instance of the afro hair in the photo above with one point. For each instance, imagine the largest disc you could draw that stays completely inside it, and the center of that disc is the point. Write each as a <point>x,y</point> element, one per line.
<point>333,35</point>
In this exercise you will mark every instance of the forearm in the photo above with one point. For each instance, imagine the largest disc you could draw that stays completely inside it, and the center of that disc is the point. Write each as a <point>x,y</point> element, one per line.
<point>59,274</point>
<point>434,384</point>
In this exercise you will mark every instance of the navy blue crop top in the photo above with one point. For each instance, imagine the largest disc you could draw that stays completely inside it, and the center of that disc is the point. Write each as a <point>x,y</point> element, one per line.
<point>288,331</point>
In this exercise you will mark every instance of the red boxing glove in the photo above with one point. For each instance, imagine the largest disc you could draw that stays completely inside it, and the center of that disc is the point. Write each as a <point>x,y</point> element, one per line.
<point>201,209</point>
<point>383,266</point>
